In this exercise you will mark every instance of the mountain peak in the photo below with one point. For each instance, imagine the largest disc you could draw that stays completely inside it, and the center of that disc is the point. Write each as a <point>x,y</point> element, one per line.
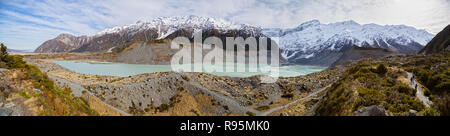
<point>349,22</point>
<point>176,22</point>
<point>310,23</point>
<point>65,35</point>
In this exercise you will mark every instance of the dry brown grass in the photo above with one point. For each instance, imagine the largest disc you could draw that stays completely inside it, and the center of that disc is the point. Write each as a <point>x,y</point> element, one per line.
<point>102,110</point>
<point>188,105</point>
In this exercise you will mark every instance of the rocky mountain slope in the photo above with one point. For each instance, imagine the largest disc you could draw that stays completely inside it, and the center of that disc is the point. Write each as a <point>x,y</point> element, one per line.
<point>63,43</point>
<point>439,43</point>
<point>322,44</point>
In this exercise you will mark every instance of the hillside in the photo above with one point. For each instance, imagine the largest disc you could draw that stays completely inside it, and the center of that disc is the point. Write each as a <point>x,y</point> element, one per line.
<point>439,43</point>
<point>25,90</point>
<point>375,86</point>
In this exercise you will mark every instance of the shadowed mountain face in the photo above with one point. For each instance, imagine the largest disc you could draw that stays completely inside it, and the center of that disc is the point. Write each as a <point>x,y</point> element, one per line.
<point>439,43</point>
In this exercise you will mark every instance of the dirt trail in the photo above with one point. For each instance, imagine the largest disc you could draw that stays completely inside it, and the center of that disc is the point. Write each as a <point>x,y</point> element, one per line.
<point>419,92</point>
<point>289,104</point>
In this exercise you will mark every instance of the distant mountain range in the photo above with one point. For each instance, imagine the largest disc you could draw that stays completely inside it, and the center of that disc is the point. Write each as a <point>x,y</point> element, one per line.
<point>322,44</point>
<point>311,43</point>
<point>15,51</point>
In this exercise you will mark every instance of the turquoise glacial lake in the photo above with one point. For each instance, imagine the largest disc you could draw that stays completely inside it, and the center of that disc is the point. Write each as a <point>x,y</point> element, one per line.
<point>125,70</point>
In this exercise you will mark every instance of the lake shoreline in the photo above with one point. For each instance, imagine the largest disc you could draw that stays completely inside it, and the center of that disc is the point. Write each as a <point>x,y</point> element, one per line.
<point>124,70</point>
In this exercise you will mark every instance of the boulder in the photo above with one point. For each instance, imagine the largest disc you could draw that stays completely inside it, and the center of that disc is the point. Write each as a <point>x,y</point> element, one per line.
<point>6,112</point>
<point>374,110</point>
<point>412,112</point>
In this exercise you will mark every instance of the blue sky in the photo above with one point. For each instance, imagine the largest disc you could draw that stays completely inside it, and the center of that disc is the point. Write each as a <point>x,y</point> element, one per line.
<point>25,24</point>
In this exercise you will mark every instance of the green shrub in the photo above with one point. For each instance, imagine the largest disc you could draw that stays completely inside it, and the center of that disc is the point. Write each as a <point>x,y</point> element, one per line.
<point>402,88</point>
<point>181,89</point>
<point>287,96</point>
<point>381,69</point>
<point>249,113</point>
<point>3,52</point>
<point>13,62</point>
<point>226,107</point>
<point>426,92</point>
<point>185,77</point>
<point>389,82</point>
<point>369,97</point>
<point>163,107</point>
<point>249,103</point>
<point>24,94</point>
<point>430,112</point>
<point>262,108</point>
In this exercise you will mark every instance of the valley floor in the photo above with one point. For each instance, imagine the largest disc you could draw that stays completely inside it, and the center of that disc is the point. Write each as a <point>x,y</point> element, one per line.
<point>367,87</point>
<point>179,94</point>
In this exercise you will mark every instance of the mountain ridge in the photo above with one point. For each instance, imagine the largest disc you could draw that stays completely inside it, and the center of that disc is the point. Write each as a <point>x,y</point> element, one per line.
<point>310,43</point>
<point>121,36</point>
<point>313,43</point>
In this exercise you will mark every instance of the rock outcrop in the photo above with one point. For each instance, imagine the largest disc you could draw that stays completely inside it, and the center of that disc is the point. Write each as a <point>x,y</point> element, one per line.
<point>374,110</point>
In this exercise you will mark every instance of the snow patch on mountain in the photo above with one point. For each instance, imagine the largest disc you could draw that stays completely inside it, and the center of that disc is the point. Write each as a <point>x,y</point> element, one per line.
<point>313,36</point>
<point>167,25</point>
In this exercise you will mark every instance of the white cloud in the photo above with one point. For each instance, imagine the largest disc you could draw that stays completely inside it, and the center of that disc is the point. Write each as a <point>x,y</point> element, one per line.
<point>45,19</point>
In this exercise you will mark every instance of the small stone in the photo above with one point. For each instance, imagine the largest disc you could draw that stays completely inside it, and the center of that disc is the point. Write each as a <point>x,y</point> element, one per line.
<point>9,105</point>
<point>37,91</point>
<point>6,112</point>
<point>412,112</point>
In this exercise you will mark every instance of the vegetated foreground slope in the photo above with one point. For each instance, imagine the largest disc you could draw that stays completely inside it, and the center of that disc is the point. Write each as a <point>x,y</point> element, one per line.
<point>25,90</point>
<point>173,93</point>
<point>381,87</point>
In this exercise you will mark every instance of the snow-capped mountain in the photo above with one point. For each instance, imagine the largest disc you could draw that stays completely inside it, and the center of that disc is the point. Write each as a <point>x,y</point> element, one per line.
<point>310,43</point>
<point>322,44</point>
<point>168,25</point>
<point>159,28</point>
